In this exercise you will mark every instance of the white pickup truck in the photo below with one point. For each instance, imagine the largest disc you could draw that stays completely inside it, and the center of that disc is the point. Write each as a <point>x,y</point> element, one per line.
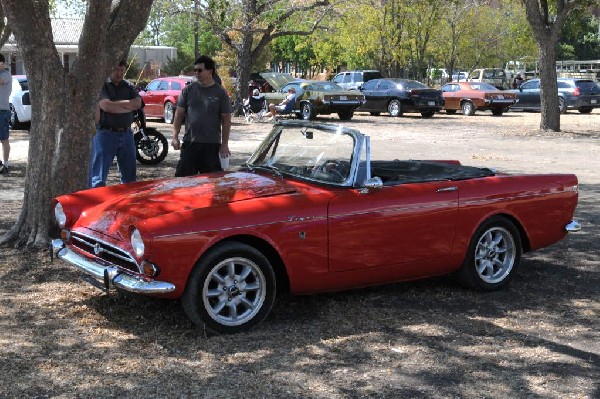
<point>494,76</point>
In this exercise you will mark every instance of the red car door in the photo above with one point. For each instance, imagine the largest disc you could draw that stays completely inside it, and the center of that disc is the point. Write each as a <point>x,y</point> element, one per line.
<point>154,98</point>
<point>393,225</point>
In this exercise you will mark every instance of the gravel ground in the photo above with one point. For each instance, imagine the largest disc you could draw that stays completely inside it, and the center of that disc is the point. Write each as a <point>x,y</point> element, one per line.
<point>62,338</point>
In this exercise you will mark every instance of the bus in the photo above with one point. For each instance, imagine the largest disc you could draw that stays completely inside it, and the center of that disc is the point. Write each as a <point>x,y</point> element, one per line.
<point>528,68</point>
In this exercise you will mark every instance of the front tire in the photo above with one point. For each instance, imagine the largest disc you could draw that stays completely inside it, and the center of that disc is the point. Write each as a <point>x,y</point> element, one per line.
<point>151,149</point>
<point>493,256</point>
<point>450,111</point>
<point>14,122</point>
<point>231,289</point>
<point>562,105</point>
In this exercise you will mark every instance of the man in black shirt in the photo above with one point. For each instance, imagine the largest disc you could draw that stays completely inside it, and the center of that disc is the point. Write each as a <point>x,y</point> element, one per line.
<point>114,136</point>
<point>206,108</point>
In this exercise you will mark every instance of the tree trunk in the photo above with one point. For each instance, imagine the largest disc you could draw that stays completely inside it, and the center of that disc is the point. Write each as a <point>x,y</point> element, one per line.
<point>546,30</point>
<point>550,115</point>
<point>63,104</point>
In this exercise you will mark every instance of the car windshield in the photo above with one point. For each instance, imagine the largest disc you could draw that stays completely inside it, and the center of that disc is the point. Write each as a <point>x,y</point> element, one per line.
<point>411,84</point>
<point>24,84</point>
<point>483,87</point>
<point>323,86</point>
<point>320,153</point>
<point>586,84</point>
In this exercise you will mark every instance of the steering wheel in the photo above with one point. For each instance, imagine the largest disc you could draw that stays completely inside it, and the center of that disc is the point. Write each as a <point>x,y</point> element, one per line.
<point>330,170</point>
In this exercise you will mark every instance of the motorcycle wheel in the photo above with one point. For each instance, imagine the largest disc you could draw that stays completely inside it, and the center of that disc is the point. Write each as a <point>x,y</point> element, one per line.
<point>152,149</point>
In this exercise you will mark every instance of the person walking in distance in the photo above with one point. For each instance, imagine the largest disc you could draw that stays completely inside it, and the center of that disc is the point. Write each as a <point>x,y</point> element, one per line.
<point>114,137</point>
<point>5,90</point>
<point>206,108</point>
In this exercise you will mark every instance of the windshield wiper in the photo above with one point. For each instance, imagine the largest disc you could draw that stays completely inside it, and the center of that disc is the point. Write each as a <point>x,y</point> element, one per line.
<point>268,168</point>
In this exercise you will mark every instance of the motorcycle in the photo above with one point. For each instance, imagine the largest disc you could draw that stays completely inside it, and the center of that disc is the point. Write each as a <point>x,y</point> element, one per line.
<point>151,145</point>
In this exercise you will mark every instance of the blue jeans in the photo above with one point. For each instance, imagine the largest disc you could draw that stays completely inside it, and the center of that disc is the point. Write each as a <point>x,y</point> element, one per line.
<point>107,144</point>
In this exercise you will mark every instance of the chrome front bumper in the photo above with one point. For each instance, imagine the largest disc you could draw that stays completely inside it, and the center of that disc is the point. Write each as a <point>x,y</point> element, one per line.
<point>573,226</point>
<point>106,276</point>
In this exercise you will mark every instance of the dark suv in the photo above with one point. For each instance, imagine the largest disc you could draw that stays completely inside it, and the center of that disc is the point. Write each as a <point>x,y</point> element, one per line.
<point>352,80</point>
<point>580,94</point>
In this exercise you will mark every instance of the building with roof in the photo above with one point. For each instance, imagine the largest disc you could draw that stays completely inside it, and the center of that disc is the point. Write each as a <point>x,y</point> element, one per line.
<point>66,33</point>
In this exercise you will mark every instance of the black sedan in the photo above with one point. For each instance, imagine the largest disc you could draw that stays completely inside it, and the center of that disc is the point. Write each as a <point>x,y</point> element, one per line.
<point>397,96</point>
<point>580,94</point>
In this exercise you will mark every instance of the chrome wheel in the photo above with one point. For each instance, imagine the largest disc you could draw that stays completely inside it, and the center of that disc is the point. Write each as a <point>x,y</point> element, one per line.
<point>307,111</point>
<point>231,289</point>
<point>395,108</point>
<point>495,255</point>
<point>234,291</point>
<point>468,108</point>
<point>169,113</point>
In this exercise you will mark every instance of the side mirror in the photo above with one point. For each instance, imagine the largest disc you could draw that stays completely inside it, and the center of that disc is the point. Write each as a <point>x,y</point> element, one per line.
<point>374,183</point>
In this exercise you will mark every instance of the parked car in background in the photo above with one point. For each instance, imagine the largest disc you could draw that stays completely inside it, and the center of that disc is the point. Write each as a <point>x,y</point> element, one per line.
<point>19,102</point>
<point>309,212</point>
<point>314,97</point>
<point>472,96</point>
<point>460,76</point>
<point>160,96</point>
<point>580,94</point>
<point>494,76</point>
<point>352,80</point>
<point>397,96</point>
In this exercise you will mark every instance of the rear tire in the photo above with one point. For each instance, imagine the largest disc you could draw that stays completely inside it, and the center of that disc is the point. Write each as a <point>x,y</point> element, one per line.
<point>450,111</point>
<point>468,108</point>
<point>427,114</point>
<point>153,149</point>
<point>395,108</point>
<point>585,110</point>
<point>307,111</point>
<point>169,113</point>
<point>493,256</point>
<point>231,289</point>
<point>497,111</point>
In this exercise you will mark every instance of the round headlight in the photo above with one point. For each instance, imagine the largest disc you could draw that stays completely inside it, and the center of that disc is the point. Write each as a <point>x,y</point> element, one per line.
<point>137,243</point>
<point>60,215</point>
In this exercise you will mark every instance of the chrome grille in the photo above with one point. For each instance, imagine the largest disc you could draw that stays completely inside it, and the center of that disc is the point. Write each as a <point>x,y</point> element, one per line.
<point>104,251</point>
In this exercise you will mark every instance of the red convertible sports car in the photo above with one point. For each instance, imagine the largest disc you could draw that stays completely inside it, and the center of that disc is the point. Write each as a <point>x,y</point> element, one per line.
<point>309,212</point>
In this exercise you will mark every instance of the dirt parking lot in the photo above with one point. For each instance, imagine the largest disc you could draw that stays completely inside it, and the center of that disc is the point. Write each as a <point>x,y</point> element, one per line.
<point>62,338</point>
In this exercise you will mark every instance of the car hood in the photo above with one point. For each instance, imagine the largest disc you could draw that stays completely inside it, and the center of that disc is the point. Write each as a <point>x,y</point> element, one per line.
<point>277,80</point>
<point>115,216</point>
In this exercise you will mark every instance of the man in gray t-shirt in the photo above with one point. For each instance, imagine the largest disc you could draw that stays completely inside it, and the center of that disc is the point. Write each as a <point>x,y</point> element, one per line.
<point>206,108</point>
<point>5,90</point>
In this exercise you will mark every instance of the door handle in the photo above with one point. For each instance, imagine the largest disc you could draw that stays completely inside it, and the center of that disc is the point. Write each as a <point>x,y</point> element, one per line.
<point>446,189</point>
